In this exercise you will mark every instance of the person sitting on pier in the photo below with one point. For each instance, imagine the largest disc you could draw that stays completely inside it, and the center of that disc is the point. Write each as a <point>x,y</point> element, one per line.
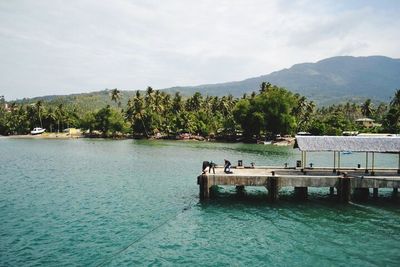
<point>210,165</point>
<point>227,166</point>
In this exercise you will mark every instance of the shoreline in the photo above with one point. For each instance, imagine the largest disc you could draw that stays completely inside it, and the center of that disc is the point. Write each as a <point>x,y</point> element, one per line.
<point>65,136</point>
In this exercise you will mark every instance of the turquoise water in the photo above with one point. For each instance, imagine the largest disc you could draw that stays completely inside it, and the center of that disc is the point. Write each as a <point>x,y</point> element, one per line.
<point>135,203</point>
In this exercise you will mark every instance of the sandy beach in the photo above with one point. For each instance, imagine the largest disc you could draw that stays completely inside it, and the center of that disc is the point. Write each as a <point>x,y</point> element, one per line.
<point>45,136</point>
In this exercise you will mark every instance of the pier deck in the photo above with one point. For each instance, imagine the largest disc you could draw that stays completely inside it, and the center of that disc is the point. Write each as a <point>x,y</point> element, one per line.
<point>346,180</point>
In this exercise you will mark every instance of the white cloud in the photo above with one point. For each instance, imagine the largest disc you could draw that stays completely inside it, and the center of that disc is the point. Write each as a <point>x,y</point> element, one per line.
<point>56,47</point>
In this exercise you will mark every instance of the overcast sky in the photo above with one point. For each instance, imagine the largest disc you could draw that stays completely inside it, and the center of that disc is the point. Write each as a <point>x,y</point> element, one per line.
<point>61,47</point>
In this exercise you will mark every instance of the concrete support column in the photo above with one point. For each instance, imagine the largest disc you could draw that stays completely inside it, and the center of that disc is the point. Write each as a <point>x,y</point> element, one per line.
<point>301,193</point>
<point>331,191</point>
<point>375,194</point>
<point>373,163</point>
<point>240,191</point>
<point>398,166</point>
<point>361,194</point>
<point>305,160</point>
<point>273,188</point>
<point>204,187</point>
<point>334,161</point>
<point>344,189</point>
<point>395,192</point>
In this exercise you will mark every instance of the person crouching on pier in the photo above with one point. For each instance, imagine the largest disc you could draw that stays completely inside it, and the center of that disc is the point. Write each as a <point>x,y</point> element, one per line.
<point>227,166</point>
<point>210,165</point>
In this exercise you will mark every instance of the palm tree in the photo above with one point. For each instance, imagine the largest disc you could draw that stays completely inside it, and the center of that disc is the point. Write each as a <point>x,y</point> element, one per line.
<point>264,87</point>
<point>367,108</point>
<point>138,107</point>
<point>60,113</point>
<point>194,102</point>
<point>396,99</point>
<point>51,117</point>
<point>177,103</point>
<point>116,96</point>
<point>149,98</point>
<point>39,107</point>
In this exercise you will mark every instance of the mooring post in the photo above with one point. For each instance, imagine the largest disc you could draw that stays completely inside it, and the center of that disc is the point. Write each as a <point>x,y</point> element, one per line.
<point>273,187</point>
<point>204,188</point>
<point>301,193</point>
<point>344,188</point>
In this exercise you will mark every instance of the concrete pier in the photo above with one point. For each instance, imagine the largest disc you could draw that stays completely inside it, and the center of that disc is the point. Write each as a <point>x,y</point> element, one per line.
<point>351,183</point>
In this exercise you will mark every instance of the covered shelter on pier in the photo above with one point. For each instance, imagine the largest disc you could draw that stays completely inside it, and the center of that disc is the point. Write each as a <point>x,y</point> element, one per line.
<point>338,144</point>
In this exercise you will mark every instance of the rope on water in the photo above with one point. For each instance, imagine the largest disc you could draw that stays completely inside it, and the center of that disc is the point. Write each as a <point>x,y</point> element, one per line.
<point>116,253</point>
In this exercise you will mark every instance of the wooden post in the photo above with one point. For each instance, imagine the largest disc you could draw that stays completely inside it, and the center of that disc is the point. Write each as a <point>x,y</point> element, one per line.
<point>344,188</point>
<point>204,187</point>
<point>301,193</point>
<point>375,194</point>
<point>273,188</point>
<point>338,155</point>
<point>366,162</point>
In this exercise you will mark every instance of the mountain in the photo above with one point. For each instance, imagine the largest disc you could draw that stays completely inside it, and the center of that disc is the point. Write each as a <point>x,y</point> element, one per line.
<point>329,81</point>
<point>332,80</point>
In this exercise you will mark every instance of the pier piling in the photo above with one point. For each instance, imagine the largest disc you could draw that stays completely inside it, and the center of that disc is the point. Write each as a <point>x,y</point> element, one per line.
<point>361,194</point>
<point>344,188</point>
<point>204,187</point>
<point>395,191</point>
<point>331,190</point>
<point>273,188</point>
<point>301,193</point>
<point>375,193</point>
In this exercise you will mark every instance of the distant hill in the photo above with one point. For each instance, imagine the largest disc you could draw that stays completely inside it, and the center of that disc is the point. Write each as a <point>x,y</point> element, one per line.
<point>328,81</point>
<point>83,102</point>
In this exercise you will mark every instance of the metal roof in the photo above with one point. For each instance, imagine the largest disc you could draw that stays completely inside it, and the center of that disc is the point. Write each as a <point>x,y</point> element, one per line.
<point>365,119</point>
<point>349,143</point>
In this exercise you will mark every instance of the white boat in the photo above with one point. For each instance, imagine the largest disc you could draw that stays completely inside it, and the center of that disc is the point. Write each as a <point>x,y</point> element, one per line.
<point>38,131</point>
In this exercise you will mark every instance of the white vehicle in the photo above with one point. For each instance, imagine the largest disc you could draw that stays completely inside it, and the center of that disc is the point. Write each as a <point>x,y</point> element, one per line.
<point>38,131</point>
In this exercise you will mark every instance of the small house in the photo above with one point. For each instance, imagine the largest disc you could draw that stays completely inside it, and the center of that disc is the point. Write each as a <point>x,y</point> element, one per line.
<point>366,122</point>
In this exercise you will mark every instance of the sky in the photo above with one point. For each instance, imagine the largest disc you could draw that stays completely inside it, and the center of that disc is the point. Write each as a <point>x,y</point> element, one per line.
<point>52,47</point>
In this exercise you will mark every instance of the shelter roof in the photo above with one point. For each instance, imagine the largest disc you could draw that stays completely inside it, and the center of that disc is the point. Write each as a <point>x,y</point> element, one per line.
<point>349,143</point>
<point>365,119</point>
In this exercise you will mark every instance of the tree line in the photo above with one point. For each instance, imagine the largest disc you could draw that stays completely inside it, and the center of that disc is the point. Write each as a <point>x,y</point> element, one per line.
<point>263,114</point>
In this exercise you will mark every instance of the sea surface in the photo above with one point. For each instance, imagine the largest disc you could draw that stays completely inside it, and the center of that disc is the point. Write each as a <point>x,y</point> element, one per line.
<point>135,203</point>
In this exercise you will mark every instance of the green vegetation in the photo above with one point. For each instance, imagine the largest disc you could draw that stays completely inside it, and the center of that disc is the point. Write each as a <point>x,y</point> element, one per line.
<point>153,113</point>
